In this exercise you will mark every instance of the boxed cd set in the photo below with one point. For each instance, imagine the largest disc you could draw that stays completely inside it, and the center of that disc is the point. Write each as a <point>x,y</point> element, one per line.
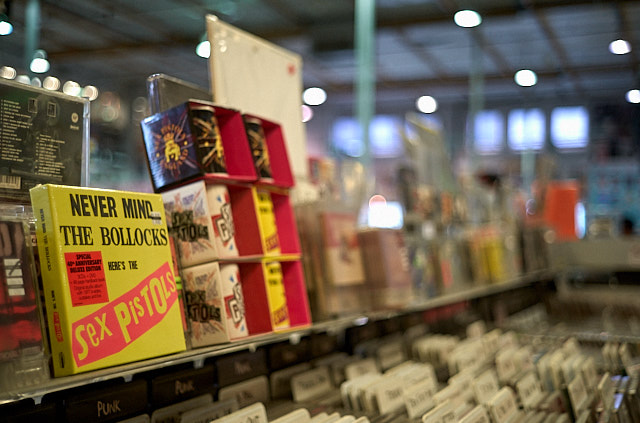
<point>110,289</point>
<point>195,139</point>
<point>44,139</point>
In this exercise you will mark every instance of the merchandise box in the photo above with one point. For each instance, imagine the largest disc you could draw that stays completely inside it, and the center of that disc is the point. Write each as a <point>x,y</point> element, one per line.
<point>275,294</point>
<point>23,357</point>
<point>214,303</point>
<point>44,139</point>
<point>387,268</point>
<point>267,213</point>
<point>110,290</point>
<point>200,220</point>
<point>274,162</point>
<point>195,139</point>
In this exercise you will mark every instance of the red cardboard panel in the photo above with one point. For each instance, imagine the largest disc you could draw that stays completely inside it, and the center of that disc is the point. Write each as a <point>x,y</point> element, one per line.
<point>278,156</point>
<point>255,298</point>
<point>296,291</point>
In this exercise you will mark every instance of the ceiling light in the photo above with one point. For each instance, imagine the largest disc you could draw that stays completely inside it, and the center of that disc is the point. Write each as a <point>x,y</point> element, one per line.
<point>5,26</point>
<point>204,49</point>
<point>467,18</point>
<point>633,96</point>
<point>90,92</point>
<point>619,47</point>
<point>51,83</point>
<point>71,88</point>
<point>526,78</point>
<point>7,72</point>
<point>39,64</point>
<point>307,113</point>
<point>36,82</point>
<point>314,96</point>
<point>426,104</point>
<point>23,79</point>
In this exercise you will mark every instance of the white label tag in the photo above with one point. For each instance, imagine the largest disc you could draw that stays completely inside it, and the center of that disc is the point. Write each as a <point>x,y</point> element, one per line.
<point>476,329</point>
<point>390,396</point>
<point>247,392</point>
<point>280,380</point>
<point>418,399</point>
<point>577,394</point>
<point>300,415</point>
<point>477,415</point>
<point>507,340</point>
<point>311,384</point>
<point>529,390</point>
<point>490,342</point>
<point>440,413</point>
<point>361,367</point>
<point>209,412</point>
<point>506,366</point>
<point>486,386</point>
<point>254,413</point>
<point>390,355</point>
<point>503,405</point>
<point>450,393</point>
<point>589,373</point>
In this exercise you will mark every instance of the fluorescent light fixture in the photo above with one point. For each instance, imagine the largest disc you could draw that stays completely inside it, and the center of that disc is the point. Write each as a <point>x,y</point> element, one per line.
<point>72,88</point>
<point>90,92</point>
<point>314,96</point>
<point>23,79</point>
<point>7,72</point>
<point>526,78</point>
<point>426,104</point>
<point>39,64</point>
<point>307,113</point>
<point>51,83</point>
<point>620,47</point>
<point>633,96</point>
<point>203,49</point>
<point>467,18</point>
<point>6,27</point>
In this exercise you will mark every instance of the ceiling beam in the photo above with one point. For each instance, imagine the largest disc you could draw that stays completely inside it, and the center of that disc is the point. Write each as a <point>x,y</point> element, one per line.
<point>427,58</point>
<point>558,49</point>
<point>463,80</point>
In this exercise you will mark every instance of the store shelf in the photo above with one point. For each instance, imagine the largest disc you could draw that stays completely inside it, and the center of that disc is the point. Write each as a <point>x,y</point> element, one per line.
<point>199,355</point>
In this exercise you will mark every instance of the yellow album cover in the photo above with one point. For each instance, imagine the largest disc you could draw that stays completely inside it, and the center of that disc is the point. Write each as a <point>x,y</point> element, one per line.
<point>276,295</point>
<point>110,289</point>
<point>267,222</point>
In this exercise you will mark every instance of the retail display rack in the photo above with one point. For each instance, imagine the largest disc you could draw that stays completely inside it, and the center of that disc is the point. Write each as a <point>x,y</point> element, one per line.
<point>198,356</point>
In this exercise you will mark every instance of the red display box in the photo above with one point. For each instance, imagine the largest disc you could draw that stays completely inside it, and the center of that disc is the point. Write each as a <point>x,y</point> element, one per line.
<point>246,216</point>
<point>278,157</point>
<point>255,288</point>
<point>179,143</point>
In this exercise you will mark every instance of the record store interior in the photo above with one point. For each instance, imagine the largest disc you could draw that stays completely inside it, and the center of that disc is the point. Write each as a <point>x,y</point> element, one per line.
<point>253,211</point>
